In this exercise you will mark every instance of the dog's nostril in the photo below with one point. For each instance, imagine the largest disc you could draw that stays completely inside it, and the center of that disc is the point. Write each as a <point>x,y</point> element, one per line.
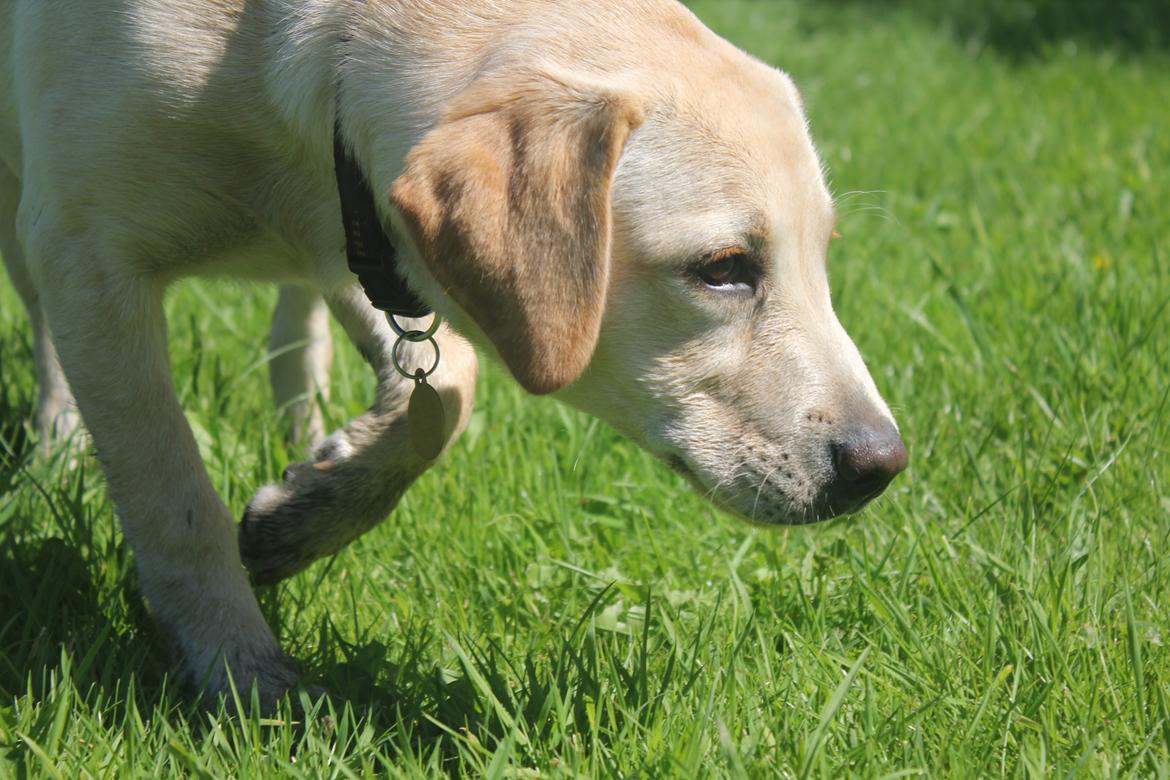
<point>866,462</point>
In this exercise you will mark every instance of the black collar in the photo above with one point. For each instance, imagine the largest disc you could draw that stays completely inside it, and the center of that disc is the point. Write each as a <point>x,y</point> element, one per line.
<point>368,247</point>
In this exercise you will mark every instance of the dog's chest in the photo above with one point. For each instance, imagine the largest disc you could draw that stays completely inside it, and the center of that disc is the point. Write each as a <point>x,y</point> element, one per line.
<point>280,224</point>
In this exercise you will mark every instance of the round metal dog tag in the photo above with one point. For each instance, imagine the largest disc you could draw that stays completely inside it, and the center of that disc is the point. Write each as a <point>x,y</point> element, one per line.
<point>428,429</point>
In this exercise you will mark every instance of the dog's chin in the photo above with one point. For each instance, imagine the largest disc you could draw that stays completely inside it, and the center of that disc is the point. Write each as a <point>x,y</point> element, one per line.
<point>809,515</point>
<point>759,514</point>
<point>679,466</point>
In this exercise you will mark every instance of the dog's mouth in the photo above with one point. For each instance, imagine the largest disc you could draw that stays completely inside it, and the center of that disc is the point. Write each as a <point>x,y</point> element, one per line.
<point>681,467</point>
<point>771,513</point>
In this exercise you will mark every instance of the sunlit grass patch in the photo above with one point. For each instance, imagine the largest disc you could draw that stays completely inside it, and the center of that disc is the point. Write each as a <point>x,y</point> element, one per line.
<point>549,601</point>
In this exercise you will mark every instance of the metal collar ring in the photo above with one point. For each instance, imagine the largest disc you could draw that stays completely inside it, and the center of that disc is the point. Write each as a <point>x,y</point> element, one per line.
<point>414,335</point>
<point>398,364</point>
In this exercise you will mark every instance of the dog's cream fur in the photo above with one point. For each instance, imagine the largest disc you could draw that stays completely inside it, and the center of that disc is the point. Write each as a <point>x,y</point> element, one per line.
<point>553,170</point>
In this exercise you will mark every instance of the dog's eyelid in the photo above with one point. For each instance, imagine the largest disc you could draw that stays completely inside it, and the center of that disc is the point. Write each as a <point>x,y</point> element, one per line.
<point>726,252</point>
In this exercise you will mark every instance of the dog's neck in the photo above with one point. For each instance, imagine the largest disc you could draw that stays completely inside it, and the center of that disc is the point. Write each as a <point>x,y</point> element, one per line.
<point>369,248</point>
<point>352,126</point>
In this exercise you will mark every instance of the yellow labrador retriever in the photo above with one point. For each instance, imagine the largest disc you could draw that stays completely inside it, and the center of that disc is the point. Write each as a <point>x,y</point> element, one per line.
<point>620,206</point>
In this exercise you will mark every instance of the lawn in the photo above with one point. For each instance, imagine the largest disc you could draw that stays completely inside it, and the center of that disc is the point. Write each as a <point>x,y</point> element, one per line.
<point>551,602</point>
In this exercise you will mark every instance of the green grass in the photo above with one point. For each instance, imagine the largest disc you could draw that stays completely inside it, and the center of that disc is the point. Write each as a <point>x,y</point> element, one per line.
<point>551,602</point>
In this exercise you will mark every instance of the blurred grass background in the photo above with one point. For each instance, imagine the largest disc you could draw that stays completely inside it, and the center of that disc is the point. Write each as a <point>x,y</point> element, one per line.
<point>1022,28</point>
<point>550,602</point>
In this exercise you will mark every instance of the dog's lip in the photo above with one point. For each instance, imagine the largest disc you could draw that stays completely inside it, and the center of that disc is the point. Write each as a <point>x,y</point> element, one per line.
<point>825,509</point>
<point>820,511</point>
<point>679,465</point>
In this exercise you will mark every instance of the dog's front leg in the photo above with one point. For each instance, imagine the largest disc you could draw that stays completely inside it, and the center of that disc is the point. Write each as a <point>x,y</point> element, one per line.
<point>356,476</point>
<point>110,333</point>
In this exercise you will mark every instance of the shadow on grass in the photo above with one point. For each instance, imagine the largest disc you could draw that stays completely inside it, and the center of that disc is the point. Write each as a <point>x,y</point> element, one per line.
<point>55,627</point>
<point>480,697</point>
<point>15,411</point>
<point>70,612</point>
<point>1020,29</point>
<point>61,631</point>
<point>406,690</point>
<point>55,638</point>
<point>50,606</point>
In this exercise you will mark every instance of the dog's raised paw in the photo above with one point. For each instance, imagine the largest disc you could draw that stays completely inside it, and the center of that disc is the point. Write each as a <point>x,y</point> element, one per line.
<point>275,536</point>
<point>314,511</point>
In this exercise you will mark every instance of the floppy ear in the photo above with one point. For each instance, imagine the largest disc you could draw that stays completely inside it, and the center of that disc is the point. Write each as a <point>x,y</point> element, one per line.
<point>508,199</point>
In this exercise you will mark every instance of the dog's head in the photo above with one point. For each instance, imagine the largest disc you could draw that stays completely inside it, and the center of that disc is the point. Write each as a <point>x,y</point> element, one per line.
<point>652,249</point>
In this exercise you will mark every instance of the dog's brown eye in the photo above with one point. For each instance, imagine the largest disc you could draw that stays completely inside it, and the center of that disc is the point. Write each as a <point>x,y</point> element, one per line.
<point>732,271</point>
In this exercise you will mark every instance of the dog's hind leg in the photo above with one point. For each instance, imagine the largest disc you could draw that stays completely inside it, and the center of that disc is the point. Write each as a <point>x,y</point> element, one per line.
<point>356,476</point>
<point>56,414</point>
<point>302,352</point>
<point>110,331</point>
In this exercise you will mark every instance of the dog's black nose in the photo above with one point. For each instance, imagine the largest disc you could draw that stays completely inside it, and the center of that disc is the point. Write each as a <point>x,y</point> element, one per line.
<point>865,462</point>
